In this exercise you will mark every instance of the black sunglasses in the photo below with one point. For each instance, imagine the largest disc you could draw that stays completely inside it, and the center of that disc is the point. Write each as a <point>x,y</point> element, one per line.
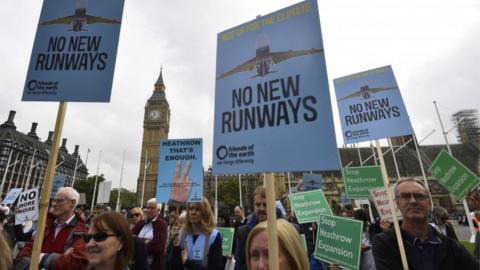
<point>97,237</point>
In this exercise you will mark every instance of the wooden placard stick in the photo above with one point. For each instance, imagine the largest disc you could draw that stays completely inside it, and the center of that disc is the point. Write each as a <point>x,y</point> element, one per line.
<point>391,206</point>
<point>47,187</point>
<point>271,222</point>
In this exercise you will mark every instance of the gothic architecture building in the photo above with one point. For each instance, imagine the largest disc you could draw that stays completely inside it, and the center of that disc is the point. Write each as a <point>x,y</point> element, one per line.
<point>156,123</point>
<point>24,157</point>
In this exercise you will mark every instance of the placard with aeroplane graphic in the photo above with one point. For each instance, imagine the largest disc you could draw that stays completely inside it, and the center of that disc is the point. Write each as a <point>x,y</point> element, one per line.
<point>371,106</point>
<point>74,52</point>
<point>272,101</point>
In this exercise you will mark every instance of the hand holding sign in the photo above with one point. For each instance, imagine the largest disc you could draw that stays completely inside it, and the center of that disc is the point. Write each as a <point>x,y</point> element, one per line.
<point>181,183</point>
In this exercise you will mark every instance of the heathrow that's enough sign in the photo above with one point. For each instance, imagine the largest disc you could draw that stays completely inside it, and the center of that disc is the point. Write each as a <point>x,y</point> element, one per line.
<point>74,52</point>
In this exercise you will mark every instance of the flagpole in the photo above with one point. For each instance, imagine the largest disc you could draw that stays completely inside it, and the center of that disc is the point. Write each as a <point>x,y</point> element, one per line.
<point>75,169</point>
<point>417,148</point>
<point>465,204</point>
<point>4,178</point>
<point>359,155</point>
<point>117,208</point>
<point>394,159</point>
<point>144,176</point>
<point>13,172</point>
<point>240,189</point>
<point>216,197</point>
<point>96,179</point>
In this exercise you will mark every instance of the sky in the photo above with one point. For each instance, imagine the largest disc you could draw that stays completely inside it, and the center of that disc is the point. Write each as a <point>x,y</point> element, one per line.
<point>432,46</point>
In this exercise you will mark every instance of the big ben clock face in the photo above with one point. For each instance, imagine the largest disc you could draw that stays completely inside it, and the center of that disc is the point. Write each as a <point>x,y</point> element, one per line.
<point>154,115</point>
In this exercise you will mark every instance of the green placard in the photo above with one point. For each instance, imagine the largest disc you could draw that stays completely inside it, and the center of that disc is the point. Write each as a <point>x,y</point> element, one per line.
<point>308,205</point>
<point>227,240</point>
<point>360,180</point>
<point>339,241</point>
<point>453,175</point>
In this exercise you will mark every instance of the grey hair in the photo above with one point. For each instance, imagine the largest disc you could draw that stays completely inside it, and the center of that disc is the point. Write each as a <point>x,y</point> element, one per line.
<point>71,193</point>
<point>154,201</point>
<point>395,187</point>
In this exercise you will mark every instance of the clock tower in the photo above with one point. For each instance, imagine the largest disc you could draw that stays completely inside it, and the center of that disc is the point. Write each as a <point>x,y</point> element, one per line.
<point>156,123</point>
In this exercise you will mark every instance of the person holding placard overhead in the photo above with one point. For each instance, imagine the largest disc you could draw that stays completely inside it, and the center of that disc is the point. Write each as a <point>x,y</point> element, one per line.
<point>425,248</point>
<point>200,245</point>
<point>63,246</point>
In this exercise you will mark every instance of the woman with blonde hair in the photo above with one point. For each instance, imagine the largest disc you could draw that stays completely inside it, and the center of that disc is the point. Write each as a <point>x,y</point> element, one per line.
<point>137,214</point>
<point>291,253</point>
<point>200,245</point>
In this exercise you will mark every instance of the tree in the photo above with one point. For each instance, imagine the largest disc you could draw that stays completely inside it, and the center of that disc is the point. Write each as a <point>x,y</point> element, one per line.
<point>228,194</point>
<point>87,187</point>
<point>128,199</point>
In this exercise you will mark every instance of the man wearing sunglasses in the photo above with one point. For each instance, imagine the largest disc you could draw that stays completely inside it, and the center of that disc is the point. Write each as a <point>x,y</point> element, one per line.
<point>425,248</point>
<point>63,246</point>
<point>153,232</point>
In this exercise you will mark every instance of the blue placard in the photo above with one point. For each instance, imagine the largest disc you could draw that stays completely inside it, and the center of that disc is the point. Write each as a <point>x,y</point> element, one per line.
<point>180,171</point>
<point>371,106</point>
<point>12,195</point>
<point>74,53</point>
<point>272,102</point>
<point>312,181</point>
<point>58,182</point>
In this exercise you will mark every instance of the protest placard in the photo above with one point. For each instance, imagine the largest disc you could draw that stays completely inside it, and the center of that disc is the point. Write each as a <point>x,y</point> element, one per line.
<point>380,200</point>
<point>27,207</point>
<point>104,189</point>
<point>339,241</point>
<point>312,181</point>
<point>453,175</point>
<point>74,52</point>
<point>360,180</point>
<point>272,102</point>
<point>371,106</point>
<point>180,171</point>
<point>12,195</point>
<point>58,182</point>
<point>308,205</point>
<point>227,241</point>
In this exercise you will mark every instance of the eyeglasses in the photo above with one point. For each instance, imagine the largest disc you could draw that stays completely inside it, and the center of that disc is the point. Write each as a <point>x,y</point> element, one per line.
<point>59,200</point>
<point>97,237</point>
<point>416,196</point>
<point>136,214</point>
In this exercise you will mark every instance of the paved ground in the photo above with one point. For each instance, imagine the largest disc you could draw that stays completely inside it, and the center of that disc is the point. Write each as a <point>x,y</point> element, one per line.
<point>463,232</point>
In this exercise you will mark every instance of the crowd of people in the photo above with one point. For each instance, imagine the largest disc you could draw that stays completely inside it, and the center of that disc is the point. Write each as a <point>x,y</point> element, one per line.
<point>189,239</point>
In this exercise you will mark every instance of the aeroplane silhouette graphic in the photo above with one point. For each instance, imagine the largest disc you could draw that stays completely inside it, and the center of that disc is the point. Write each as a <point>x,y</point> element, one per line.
<point>79,19</point>
<point>366,92</point>
<point>264,59</point>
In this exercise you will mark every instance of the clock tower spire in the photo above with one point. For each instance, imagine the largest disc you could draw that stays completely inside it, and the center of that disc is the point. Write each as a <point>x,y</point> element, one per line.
<point>156,124</point>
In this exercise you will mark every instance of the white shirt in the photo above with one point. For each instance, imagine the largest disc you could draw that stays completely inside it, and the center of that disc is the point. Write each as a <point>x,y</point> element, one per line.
<point>147,230</point>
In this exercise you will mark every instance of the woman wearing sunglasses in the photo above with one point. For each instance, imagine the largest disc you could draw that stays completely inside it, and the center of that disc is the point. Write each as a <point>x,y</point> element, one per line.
<point>137,214</point>
<point>200,243</point>
<point>109,242</point>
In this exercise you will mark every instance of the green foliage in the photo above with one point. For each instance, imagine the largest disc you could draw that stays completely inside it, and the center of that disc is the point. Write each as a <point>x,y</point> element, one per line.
<point>228,195</point>
<point>87,187</point>
<point>469,246</point>
<point>128,199</point>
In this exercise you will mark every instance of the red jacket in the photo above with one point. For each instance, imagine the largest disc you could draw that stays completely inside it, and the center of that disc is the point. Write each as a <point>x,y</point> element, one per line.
<point>155,247</point>
<point>68,237</point>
